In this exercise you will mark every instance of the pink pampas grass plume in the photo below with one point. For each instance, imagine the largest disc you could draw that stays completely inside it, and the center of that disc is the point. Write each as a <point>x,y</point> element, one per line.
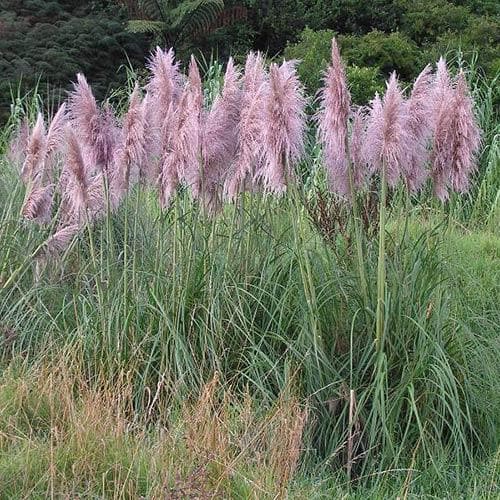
<point>420,109</point>
<point>54,142</point>
<point>169,178</point>
<point>388,142</point>
<point>456,143</point>
<point>84,111</point>
<point>219,137</point>
<point>54,246</point>
<point>18,144</point>
<point>57,243</point>
<point>332,123</point>
<point>131,150</point>
<point>41,145</point>
<point>165,82</point>
<point>82,190</point>
<point>181,153</point>
<point>95,127</point>
<point>356,147</point>
<point>283,126</point>
<point>189,130</point>
<point>55,134</point>
<point>33,165</point>
<point>164,90</point>
<point>38,204</point>
<point>442,88</point>
<point>250,127</point>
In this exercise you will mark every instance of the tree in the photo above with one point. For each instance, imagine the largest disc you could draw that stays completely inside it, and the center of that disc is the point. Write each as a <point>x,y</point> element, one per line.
<point>172,23</point>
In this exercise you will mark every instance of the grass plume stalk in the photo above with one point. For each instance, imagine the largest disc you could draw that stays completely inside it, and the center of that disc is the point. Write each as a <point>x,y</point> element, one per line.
<point>381,272</point>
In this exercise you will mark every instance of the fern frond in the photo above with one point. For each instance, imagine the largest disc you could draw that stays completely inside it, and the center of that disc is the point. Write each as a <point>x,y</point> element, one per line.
<point>195,15</point>
<point>144,26</point>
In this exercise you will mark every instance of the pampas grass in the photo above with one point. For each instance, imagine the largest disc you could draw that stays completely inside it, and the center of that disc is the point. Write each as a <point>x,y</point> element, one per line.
<point>269,309</point>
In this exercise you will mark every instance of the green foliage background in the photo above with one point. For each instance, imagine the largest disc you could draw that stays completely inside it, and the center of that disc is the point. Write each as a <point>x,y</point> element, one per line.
<point>49,41</point>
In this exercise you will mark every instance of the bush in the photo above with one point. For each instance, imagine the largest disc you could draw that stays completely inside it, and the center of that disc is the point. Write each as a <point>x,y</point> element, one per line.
<point>389,52</point>
<point>314,53</point>
<point>425,20</point>
<point>364,82</point>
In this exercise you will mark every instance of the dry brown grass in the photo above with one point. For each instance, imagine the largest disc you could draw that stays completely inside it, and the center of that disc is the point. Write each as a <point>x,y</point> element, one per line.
<point>81,438</point>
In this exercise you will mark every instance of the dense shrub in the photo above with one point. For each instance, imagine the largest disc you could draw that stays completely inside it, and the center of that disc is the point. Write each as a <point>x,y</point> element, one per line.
<point>389,52</point>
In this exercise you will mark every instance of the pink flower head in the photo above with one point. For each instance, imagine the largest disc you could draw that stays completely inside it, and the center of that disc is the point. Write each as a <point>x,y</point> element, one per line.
<point>55,134</point>
<point>165,82</point>
<point>283,126</point>
<point>95,127</point>
<point>181,153</point>
<point>84,111</point>
<point>442,87</point>
<point>82,190</point>
<point>456,142</point>
<point>332,123</point>
<point>163,93</point>
<point>250,127</point>
<point>38,204</point>
<point>58,242</point>
<point>356,147</point>
<point>420,108</point>
<point>388,141</point>
<point>190,129</point>
<point>220,136</point>
<point>34,162</point>
<point>132,145</point>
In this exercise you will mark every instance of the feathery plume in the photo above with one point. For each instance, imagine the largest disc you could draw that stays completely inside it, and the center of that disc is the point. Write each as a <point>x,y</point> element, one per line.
<point>388,141</point>
<point>55,134</point>
<point>18,144</point>
<point>442,87</point>
<point>442,97</point>
<point>420,108</point>
<point>106,141</point>
<point>250,126</point>
<point>163,94</point>
<point>332,123</point>
<point>149,170</point>
<point>38,204</point>
<point>57,243</point>
<point>189,130</point>
<point>54,141</point>
<point>84,111</point>
<point>283,126</point>
<point>33,166</point>
<point>82,191</point>
<point>220,136</point>
<point>165,82</point>
<point>96,128</point>
<point>169,178</point>
<point>132,144</point>
<point>356,142</point>
<point>181,153</point>
<point>456,142</point>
